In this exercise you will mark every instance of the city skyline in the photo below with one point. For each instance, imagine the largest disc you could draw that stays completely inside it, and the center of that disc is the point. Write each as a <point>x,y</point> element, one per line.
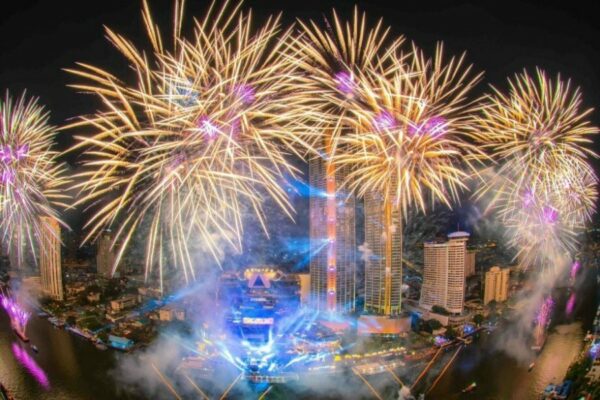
<point>317,199</point>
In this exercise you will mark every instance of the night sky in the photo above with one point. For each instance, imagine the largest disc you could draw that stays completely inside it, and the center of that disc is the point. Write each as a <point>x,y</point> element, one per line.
<point>40,38</point>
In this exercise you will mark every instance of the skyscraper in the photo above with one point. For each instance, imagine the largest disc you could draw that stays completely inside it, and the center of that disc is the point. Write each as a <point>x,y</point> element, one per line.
<point>496,285</point>
<point>383,278</point>
<point>50,263</point>
<point>105,255</point>
<point>332,240</point>
<point>444,273</point>
<point>470,263</point>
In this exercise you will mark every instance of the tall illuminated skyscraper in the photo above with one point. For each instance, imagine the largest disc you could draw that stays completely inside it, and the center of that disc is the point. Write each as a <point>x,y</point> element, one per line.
<point>444,273</point>
<point>50,264</point>
<point>332,240</point>
<point>383,278</point>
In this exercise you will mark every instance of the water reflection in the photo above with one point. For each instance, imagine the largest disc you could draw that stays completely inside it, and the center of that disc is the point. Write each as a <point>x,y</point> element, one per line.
<point>23,357</point>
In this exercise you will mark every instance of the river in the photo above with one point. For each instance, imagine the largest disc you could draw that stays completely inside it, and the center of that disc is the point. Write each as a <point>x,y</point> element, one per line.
<point>66,368</point>
<point>500,376</point>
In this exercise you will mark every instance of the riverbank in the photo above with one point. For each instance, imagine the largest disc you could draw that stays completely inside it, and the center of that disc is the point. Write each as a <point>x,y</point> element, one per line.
<point>67,367</point>
<point>499,374</point>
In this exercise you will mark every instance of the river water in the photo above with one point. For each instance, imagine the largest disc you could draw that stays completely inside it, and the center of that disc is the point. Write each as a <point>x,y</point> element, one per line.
<point>70,368</point>
<point>500,376</point>
<point>66,367</point>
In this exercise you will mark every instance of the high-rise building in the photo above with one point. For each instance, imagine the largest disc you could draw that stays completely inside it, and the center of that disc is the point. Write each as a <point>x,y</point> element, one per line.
<point>105,255</point>
<point>496,285</point>
<point>16,251</point>
<point>383,277</point>
<point>470,263</point>
<point>332,239</point>
<point>304,288</point>
<point>50,263</point>
<point>444,273</point>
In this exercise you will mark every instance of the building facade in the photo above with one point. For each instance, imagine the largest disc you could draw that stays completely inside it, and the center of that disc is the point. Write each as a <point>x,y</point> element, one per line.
<point>332,240</point>
<point>470,263</point>
<point>105,255</point>
<point>383,277</point>
<point>444,273</point>
<point>50,263</point>
<point>496,285</point>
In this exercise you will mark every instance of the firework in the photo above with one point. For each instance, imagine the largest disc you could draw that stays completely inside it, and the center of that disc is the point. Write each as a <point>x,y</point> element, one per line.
<point>536,127</point>
<point>571,304</point>
<point>18,316</point>
<point>538,229</point>
<point>545,312</point>
<point>31,179</point>
<point>575,267</point>
<point>334,59</point>
<point>544,188</point>
<point>410,138</point>
<point>408,143</point>
<point>203,132</point>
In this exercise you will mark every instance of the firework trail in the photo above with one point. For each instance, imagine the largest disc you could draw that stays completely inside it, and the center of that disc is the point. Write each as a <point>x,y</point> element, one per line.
<point>409,143</point>
<point>334,58</point>
<point>544,188</point>
<point>18,316</point>
<point>31,178</point>
<point>205,129</point>
<point>334,61</point>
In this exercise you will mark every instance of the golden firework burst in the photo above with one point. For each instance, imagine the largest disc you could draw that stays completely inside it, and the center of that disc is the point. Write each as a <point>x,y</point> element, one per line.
<point>206,128</point>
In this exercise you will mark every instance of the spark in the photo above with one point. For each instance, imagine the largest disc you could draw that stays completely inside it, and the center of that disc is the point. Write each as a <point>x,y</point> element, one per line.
<point>409,141</point>
<point>31,178</point>
<point>204,132</point>
<point>18,316</point>
<point>544,188</point>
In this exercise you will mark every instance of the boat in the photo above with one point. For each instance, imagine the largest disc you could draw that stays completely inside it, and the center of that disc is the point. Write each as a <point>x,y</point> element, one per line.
<point>58,323</point>
<point>78,331</point>
<point>470,388</point>
<point>101,346</point>
<point>34,348</point>
<point>538,346</point>
<point>557,392</point>
<point>531,367</point>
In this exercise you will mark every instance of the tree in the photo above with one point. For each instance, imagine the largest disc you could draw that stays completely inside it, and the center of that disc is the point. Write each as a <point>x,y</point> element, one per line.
<point>82,299</point>
<point>103,336</point>
<point>71,320</point>
<point>439,310</point>
<point>418,324</point>
<point>434,324</point>
<point>451,333</point>
<point>93,289</point>
<point>478,319</point>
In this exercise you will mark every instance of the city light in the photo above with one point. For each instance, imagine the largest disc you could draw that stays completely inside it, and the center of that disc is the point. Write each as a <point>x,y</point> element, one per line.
<point>210,139</point>
<point>32,181</point>
<point>475,212</point>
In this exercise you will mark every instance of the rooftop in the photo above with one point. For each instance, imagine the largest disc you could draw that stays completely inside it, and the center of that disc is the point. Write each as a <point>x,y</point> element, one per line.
<point>459,234</point>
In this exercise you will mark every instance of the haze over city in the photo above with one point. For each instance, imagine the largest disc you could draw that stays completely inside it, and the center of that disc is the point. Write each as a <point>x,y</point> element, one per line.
<point>256,200</point>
